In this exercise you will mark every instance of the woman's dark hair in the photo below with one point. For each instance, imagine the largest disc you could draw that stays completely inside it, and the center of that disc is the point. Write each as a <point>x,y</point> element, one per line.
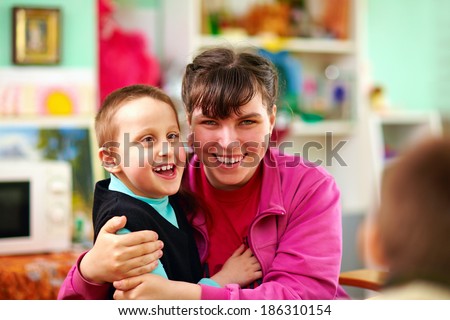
<point>221,80</point>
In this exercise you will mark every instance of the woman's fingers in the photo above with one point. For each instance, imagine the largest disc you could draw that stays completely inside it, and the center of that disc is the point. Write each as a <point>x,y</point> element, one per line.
<point>114,224</point>
<point>138,237</point>
<point>128,283</point>
<point>143,264</point>
<point>149,249</point>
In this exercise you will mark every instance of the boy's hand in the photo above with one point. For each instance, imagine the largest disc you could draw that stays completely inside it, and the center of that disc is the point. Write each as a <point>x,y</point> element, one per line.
<point>242,268</point>
<point>115,257</point>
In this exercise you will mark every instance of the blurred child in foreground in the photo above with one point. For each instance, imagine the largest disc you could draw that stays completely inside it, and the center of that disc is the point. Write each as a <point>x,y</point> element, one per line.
<point>410,232</point>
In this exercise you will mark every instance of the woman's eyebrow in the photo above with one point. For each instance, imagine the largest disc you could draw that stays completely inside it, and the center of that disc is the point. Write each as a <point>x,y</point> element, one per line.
<point>244,116</point>
<point>250,115</point>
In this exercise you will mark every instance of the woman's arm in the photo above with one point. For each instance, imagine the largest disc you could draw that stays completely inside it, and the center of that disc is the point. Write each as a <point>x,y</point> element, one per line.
<point>112,258</point>
<point>153,287</point>
<point>306,263</point>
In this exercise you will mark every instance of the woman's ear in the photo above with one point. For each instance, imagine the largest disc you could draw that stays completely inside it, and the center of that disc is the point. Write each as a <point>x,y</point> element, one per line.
<point>272,117</point>
<point>188,120</point>
<point>110,160</point>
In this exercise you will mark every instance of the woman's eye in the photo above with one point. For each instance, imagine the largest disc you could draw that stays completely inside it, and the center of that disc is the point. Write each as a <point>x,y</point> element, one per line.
<point>209,122</point>
<point>173,136</point>
<point>247,122</point>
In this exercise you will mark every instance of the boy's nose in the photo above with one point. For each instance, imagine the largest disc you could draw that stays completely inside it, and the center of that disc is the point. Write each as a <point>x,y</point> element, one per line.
<point>165,149</point>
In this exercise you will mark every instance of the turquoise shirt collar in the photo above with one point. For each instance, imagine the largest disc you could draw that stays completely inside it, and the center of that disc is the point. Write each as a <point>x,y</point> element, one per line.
<point>161,205</point>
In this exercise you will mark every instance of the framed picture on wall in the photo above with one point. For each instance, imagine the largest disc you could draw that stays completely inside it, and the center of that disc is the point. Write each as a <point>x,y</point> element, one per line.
<point>36,35</point>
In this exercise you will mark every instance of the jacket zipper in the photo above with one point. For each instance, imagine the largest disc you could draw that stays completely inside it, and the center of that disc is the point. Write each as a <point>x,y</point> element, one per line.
<point>250,242</point>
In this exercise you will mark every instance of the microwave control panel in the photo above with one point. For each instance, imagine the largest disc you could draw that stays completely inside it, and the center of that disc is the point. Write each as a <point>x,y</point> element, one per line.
<point>58,204</point>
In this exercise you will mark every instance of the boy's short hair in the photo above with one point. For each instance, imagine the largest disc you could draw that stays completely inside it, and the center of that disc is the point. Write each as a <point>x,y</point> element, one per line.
<point>106,127</point>
<point>414,217</point>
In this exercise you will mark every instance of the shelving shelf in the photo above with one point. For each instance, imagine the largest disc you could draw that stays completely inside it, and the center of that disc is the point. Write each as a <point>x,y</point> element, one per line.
<point>49,121</point>
<point>391,133</point>
<point>294,45</point>
<point>337,127</point>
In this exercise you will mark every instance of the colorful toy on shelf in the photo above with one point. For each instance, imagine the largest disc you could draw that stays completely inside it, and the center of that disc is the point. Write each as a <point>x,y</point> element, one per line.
<point>57,100</point>
<point>124,57</point>
<point>378,101</point>
<point>289,71</point>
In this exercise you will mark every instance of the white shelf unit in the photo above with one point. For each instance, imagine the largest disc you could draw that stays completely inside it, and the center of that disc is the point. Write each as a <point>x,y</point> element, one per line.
<point>392,133</point>
<point>295,45</point>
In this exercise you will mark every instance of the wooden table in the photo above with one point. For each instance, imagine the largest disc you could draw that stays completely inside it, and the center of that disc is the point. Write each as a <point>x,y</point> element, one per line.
<point>364,278</point>
<point>34,277</point>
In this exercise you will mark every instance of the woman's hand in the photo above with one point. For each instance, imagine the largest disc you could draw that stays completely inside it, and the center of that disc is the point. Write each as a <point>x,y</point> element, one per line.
<point>242,268</point>
<point>115,257</point>
<point>153,287</point>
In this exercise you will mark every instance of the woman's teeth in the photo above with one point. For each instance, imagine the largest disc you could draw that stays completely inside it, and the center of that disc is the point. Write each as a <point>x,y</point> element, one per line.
<point>229,160</point>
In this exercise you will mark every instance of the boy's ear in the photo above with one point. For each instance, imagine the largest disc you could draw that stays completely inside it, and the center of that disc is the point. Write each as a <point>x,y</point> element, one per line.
<point>369,243</point>
<point>109,160</point>
<point>375,246</point>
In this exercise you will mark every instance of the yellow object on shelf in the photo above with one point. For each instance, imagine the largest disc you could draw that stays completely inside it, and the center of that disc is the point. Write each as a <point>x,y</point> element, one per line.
<point>274,44</point>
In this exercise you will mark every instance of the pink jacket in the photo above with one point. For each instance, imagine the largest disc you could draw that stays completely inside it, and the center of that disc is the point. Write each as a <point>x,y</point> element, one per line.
<point>296,237</point>
<point>296,234</point>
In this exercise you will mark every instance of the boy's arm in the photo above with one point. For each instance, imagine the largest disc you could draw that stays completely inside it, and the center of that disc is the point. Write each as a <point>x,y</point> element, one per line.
<point>241,268</point>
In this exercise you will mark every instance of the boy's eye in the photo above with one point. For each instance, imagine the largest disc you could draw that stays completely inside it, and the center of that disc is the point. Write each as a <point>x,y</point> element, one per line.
<point>147,139</point>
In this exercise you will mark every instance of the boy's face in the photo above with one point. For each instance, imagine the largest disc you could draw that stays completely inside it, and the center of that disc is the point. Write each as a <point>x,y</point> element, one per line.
<point>150,156</point>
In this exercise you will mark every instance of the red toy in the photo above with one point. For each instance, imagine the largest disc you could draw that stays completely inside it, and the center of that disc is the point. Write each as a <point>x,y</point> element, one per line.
<point>123,56</point>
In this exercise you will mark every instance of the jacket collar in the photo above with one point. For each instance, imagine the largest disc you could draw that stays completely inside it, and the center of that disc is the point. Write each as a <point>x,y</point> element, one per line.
<point>271,186</point>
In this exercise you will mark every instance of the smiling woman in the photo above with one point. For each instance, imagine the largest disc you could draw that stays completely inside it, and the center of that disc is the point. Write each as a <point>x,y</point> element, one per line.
<point>232,148</point>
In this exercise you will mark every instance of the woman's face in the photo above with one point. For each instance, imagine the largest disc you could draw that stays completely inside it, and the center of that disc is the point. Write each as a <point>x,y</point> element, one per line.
<point>231,149</point>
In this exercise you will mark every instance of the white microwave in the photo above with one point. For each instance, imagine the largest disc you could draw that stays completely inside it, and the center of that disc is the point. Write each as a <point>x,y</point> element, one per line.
<point>35,206</point>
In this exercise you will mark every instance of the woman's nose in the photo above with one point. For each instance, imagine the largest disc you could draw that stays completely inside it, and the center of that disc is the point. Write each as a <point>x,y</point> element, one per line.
<point>227,137</point>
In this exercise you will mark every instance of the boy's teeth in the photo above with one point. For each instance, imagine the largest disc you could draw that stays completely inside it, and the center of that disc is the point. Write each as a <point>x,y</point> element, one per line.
<point>164,168</point>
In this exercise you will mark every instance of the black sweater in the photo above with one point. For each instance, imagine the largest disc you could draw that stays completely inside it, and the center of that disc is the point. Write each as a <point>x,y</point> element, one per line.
<point>180,256</point>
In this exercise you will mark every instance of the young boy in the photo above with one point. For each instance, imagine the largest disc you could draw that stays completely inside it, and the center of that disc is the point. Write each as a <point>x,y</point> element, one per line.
<point>410,232</point>
<point>138,134</point>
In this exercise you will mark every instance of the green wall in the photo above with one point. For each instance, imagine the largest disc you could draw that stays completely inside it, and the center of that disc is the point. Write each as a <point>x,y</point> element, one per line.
<point>79,27</point>
<point>405,46</point>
